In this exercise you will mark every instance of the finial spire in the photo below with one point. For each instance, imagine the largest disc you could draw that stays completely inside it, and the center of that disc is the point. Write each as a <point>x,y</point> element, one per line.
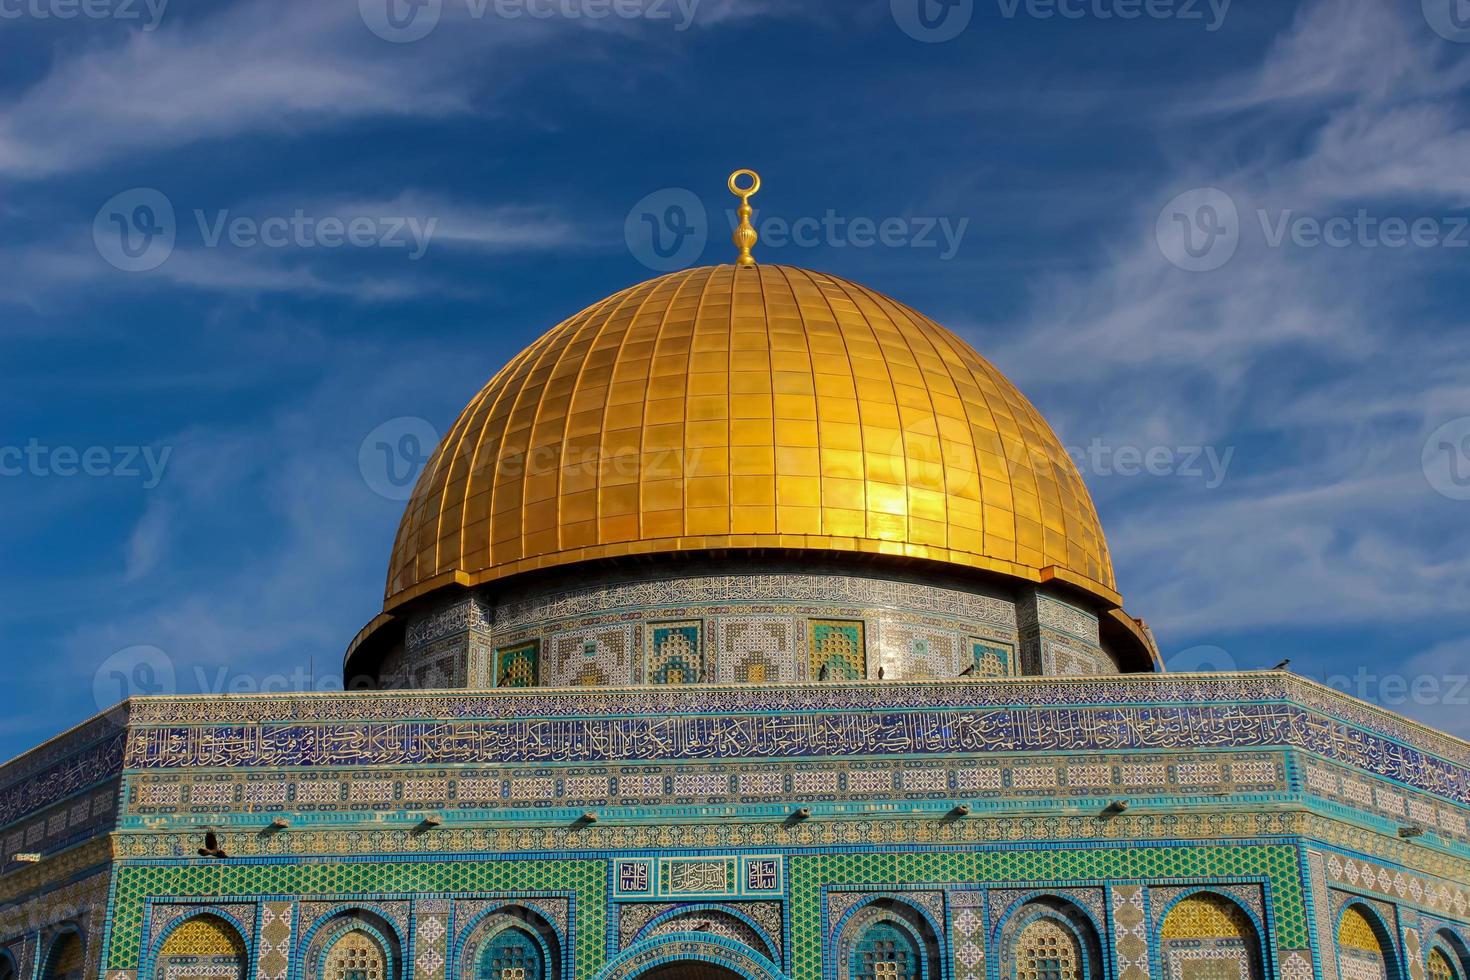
<point>745,236</point>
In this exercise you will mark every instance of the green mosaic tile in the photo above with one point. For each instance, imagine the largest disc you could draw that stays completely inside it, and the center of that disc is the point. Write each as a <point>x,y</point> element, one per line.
<point>808,874</point>
<point>586,879</point>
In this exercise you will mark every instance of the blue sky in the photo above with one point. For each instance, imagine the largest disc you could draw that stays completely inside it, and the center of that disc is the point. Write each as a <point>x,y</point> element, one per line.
<point>1222,247</point>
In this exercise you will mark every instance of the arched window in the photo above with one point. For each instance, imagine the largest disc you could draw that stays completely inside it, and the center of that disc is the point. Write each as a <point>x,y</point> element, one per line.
<point>885,952</point>
<point>7,965</point>
<point>1449,959</point>
<point>1047,949</point>
<point>1441,967</point>
<point>356,955</point>
<point>204,946</point>
<point>1361,951</point>
<point>512,954</point>
<point>66,959</point>
<point>510,943</point>
<point>352,944</point>
<point>1209,936</point>
<point>1049,938</point>
<point>887,939</point>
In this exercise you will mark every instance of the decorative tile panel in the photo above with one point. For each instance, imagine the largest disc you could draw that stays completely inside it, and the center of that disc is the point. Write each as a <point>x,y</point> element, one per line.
<point>517,666</point>
<point>836,650</point>
<point>675,653</point>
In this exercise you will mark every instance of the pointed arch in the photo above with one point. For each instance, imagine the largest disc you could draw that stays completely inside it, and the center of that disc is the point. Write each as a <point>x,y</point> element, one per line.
<point>1209,932</point>
<point>1449,957</point>
<point>353,944</point>
<point>1365,948</point>
<point>1048,937</point>
<point>887,938</point>
<point>511,941</point>
<point>202,945</point>
<point>66,956</point>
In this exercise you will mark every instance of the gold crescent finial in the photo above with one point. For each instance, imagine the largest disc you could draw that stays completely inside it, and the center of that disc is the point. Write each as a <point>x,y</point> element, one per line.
<point>745,236</point>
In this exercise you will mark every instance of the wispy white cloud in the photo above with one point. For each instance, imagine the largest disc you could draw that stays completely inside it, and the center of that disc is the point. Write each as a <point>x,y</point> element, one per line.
<point>148,543</point>
<point>254,67</point>
<point>293,586</point>
<point>456,224</point>
<point>277,66</point>
<point>1304,361</point>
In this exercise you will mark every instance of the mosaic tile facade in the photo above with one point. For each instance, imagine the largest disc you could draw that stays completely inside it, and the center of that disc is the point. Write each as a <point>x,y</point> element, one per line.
<point>754,628</point>
<point>698,853</point>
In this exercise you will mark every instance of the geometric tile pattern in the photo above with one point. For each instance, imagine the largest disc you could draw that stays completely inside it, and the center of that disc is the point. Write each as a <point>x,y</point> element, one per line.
<point>756,650</point>
<point>516,666</point>
<point>1130,934</point>
<point>991,658</point>
<point>1446,897</point>
<point>880,730</point>
<point>1360,953</point>
<point>750,623</point>
<point>586,879</point>
<point>1048,950</point>
<point>273,949</point>
<point>836,650</point>
<point>484,788</point>
<point>967,937</point>
<point>1440,967</point>
<point>675,653</point>
<point>593,657</point>
<point>431,931</point>
<point>1277,863</point>
<point>1206,936</point>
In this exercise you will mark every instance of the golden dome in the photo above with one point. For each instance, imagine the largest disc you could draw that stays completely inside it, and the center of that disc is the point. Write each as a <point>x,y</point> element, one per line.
<point>767,407</point>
